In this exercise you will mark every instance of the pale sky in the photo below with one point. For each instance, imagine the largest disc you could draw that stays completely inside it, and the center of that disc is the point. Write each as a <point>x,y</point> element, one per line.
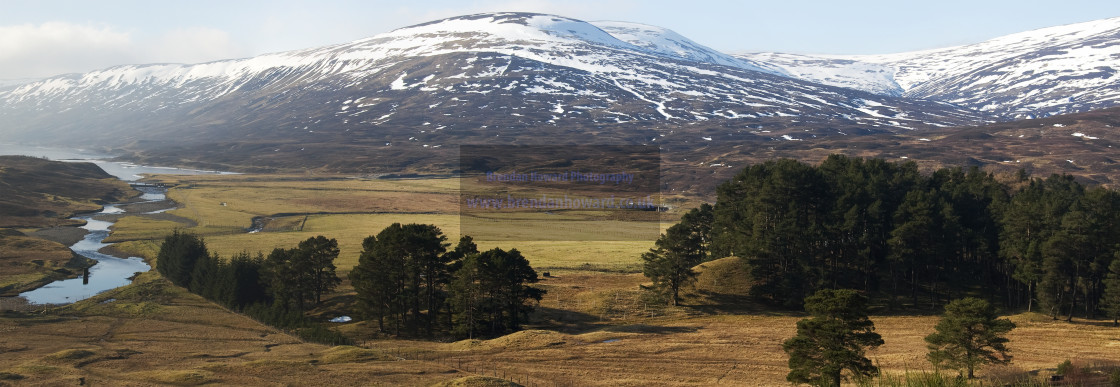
<point>44,38</point>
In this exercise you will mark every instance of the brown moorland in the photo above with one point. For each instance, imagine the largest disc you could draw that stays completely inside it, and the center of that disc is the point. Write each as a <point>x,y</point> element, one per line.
<point>594,326</point>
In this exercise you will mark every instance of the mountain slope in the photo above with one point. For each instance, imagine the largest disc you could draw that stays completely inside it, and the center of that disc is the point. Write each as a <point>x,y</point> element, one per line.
<point>671,44</point>
<point>37,192</point>
<point>1036,73</point>
<point>505,78</point>
<point>851,73</point>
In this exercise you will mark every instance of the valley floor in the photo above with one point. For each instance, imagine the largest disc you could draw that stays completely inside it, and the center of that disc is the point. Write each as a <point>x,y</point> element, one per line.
<point>153,332</point>
<point>594,327</point>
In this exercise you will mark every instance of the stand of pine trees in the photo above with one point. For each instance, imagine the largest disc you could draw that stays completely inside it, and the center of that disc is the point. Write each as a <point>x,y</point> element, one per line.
<point>409,282</point>
<point>915,240</point>
<point>274,291</point>
<point>406,279</point>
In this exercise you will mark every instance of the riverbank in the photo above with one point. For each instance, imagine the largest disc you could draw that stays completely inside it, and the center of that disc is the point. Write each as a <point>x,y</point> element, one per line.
<point>113,268</point>
<point>29,262</point>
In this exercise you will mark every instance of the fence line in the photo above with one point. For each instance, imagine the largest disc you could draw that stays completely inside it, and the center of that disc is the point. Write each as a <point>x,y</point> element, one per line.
<point>457,360</point>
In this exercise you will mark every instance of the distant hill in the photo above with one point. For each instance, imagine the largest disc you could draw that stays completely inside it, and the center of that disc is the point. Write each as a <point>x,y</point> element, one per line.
<point>1044,72</point>
<point>1085,145</point>
<point>400,102</point>
<point>37,192</point>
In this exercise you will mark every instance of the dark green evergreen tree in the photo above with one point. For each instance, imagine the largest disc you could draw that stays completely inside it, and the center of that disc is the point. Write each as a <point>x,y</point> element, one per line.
<point>684,245</point>
<point>866,193</point>
<point>378,280</point>
<point>462,250</point>
<point>914,243</point>
<point>968,335</point>
<point>468,300</point>
<point>401,275</point>
<point>972,202</point>
<point>298,277</point>
<point>1023,231</point>
<point>1111,299</point>
<point>320,253</point>
<point>206,278</point>
<point>1103,207</point>
<point>177,256</point>
<point>290,279</point>
<point>834,339</point>
<point>244,279</point>
<point>699,220</point>
<point>775,215</point>
<point>895,233</point>
<point>490,293</point>
<point>1067,255</point>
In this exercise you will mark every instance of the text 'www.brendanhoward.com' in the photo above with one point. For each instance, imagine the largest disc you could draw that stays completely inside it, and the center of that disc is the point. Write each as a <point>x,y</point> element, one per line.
<point>546,202</point>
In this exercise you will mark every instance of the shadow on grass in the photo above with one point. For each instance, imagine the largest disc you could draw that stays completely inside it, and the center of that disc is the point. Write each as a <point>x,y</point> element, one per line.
<point>655,329</point>
<point>566,321</point>
<point>715,303</point>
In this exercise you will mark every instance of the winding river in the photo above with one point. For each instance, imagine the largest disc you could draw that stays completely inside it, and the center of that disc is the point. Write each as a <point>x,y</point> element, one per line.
<point>109,272</point>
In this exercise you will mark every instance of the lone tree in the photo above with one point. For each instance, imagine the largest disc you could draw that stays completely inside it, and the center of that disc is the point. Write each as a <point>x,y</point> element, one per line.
<point>832,340</point>
<point>682,246</point>
<point>969,335</point>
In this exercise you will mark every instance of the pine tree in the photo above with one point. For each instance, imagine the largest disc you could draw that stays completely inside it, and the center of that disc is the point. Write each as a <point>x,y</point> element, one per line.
<point>1111,299</point>
<point>1022,232</point>
<point>205,277</point>
<point>834,339</point>
<point>490,293</point>
<point>320,253</point>
<point>968,335</point>
<point>677,251</point>
<point>289,281</point>
<point>245,281</point>
<point>775,215</point>
<point>400,276</point>
<point>178,255</point>
<point>913,244</point>
<point>466,298</point>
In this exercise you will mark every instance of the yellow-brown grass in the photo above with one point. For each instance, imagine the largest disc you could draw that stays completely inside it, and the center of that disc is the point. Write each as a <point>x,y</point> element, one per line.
<point>27,262</point>
<point>476,381</point>
<point>350,210</point>
<point>593,327</point>
<point>153,333</point>
<point>130,228</point>
<point>150,332</point>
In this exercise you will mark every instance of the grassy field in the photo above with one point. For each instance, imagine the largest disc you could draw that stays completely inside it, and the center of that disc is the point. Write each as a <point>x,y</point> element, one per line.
<point>294,208</point>
<point>28,262</point>
<point>594,327</point>
<point>150,332</point>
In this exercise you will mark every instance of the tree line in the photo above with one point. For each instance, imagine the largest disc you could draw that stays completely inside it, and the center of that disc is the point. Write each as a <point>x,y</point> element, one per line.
<point>275,290</point>
<point>406,280</point>
<point>906,238</point>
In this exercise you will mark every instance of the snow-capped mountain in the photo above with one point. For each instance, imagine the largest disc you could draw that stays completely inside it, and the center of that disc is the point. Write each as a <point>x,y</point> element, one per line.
<point>4,83</point>
<point>517,77</point>
<point>1036,73</point>
<point>666,42</point>
<point>851,73</point>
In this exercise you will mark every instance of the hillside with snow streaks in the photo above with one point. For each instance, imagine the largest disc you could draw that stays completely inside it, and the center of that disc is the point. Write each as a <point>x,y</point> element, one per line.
<point>1044,72</point>
<point>671,44</point>
<point>511,76</point>
<point>850,73</point>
